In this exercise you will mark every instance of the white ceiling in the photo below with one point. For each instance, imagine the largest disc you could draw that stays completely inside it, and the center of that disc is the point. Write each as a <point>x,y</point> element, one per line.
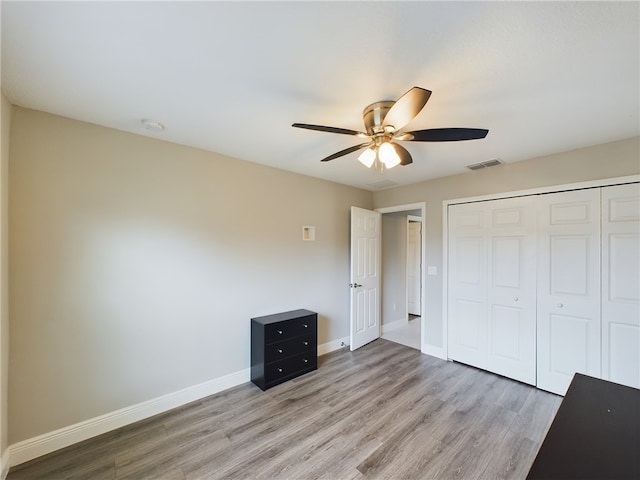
<point>232,77</point>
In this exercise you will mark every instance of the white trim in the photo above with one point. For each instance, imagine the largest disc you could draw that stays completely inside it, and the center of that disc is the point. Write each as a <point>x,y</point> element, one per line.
<point>445,280</point>
<point>393,325</point>
<point>413,218</point>
<point>434,351</point>
<point>422,206</point>
<point>4,464</point>
<point>402,208</point>
<point>46,443</point>
<point>49,442</point>
<point>605,182</point>
<point>333,345</point>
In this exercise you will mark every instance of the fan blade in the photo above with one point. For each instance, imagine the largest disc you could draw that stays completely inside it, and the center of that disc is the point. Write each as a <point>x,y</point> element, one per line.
<point>406,108</point>
<point>347,151</point>
<point>322,128</point>
<point>448,134</point>
<point>403,153</point>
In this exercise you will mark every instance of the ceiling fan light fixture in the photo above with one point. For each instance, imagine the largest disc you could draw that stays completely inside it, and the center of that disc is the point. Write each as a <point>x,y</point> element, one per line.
<point>388,155</point>
<point>383,123</point>
<point>367,157</point>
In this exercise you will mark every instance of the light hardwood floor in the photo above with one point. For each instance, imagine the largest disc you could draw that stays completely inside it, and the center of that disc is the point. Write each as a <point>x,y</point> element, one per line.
<point>384,411</point>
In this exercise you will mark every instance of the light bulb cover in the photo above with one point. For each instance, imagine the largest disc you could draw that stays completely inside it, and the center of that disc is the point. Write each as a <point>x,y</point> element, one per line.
<point>367,157</point>
<point>388,155</point>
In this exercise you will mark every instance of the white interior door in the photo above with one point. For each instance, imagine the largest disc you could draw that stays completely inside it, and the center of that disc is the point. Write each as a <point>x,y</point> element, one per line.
<point>621,284</point>
<point>366,229</point>
<point>414,266</point>
<point>511,309</point>
<point>568,288</point>
<point>467,302</point>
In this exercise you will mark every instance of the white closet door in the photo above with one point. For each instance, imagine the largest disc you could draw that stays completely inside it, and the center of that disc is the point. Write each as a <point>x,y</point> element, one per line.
<point>621,284</point>
<point>568,288</point>
<point>492,290</point>
<point>467,303</point>
<point>511,310</point>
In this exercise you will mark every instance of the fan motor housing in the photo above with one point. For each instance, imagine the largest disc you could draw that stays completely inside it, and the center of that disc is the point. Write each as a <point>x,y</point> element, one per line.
<point>374,114</point>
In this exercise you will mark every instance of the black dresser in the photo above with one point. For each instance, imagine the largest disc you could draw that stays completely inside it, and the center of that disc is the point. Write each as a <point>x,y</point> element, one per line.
<point>594,435</point>
<point>283,346</point>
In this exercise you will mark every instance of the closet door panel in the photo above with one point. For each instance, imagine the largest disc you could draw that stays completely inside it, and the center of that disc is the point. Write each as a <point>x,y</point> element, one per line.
<point>467,284</point>
<point>512,289</point>
<point>621,284</point>
<point>492,286</point>
<point>568,300</point>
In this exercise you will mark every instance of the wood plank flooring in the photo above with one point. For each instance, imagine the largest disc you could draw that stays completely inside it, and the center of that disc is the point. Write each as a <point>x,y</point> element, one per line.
<point>384,411</point>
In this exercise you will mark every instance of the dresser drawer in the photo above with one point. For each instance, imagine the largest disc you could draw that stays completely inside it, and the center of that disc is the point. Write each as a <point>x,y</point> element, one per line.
<point>279,331</point>
<point>280,350</point>
<point>290,367</point>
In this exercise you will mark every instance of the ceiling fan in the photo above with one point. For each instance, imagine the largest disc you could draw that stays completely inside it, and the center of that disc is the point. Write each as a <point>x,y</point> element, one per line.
<point>383,122</point>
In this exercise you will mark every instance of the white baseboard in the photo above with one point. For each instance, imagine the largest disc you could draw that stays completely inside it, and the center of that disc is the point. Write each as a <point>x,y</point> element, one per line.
<point>49,442</point>
<point>388,326</point>
<point>434,351</point>
<point>42,444</point>
<point>4,464</point>
<point>334,345</point>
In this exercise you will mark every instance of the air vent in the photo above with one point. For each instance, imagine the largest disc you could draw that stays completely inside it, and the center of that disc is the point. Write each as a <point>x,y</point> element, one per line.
<point>487,164</point>
<point>382,184</point>
<point>475,166</point>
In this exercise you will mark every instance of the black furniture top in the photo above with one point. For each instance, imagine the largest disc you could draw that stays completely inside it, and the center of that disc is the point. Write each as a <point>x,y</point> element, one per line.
<point>595,434</point>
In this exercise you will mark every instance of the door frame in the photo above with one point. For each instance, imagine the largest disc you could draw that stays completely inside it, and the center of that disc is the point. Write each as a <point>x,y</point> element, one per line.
<point>605,182</point>
<point>415,219</point>
<point>422,206</point>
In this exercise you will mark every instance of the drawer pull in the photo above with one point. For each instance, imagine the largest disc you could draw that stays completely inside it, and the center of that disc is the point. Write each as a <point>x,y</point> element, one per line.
<point>279,370</point>
<point>305,360</point>
<point>559,305</point>
<point>306,326</point>
<point>279,332</point>
<point>305,343</point>
<point>279,350</point>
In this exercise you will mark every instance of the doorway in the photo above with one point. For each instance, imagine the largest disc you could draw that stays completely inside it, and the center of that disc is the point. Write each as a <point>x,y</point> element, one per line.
<point>402,302</point>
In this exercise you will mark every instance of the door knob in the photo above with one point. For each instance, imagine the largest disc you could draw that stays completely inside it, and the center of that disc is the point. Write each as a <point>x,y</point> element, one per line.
<point>354,285</point>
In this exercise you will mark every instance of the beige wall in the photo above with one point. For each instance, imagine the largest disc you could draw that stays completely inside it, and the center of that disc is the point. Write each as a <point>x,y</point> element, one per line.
<point>601,161</point>
<point>5,122</point>
<point>136,265</point>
